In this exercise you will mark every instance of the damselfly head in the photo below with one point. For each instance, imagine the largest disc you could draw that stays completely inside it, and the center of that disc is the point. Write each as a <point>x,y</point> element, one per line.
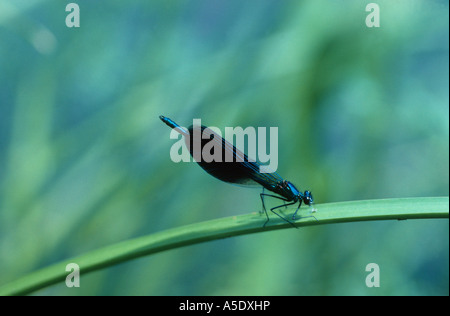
<point>307,198</point>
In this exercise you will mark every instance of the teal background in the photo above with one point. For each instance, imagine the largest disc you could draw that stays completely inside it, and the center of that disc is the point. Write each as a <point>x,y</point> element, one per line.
<point>362,113</point>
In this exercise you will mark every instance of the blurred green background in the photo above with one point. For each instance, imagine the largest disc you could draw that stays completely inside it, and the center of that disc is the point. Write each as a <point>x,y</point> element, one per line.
<point>362,114</point>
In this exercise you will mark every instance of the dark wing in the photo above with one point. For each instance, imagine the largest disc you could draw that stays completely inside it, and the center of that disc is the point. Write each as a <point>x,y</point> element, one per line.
<point>240,170</point>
